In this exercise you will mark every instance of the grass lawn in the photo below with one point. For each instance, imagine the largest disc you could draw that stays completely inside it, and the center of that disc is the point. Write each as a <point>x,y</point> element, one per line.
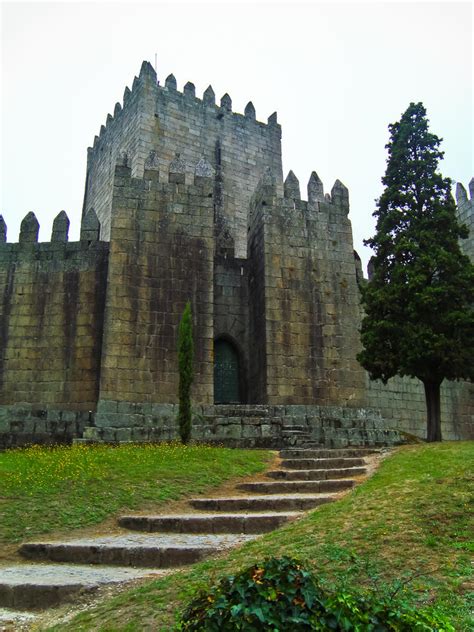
<point>52,489</point>
<point>408,528</point>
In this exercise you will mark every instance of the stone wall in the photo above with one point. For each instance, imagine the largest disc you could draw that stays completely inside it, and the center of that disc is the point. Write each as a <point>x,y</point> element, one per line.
<point>161,121</point>
<point>247,426</point>
<point>24,424</point>
<point>402,403</point>
<point>466,216</point>
<point>161,256</point>
<point>305,314</point>
<point>128,132</point>
<point>51,317</point>
<point>311,295</point>
<point>257,380</point>
<point>231,310</point>
<point>402,400</point>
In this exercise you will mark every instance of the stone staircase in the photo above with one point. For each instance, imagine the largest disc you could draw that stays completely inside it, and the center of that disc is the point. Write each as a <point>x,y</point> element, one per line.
<point>294,435</point>
<point>149,544</point>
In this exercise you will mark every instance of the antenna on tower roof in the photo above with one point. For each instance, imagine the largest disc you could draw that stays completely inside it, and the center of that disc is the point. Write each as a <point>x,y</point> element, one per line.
<point>156,56</point>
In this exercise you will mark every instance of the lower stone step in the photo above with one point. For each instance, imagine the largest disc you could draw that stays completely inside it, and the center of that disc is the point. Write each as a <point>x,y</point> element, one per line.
<point>209,523</point>
<point>315,475</point>
<point>294,439</point>
<point>35,586</point>
<point>159,551</point>
<point>312,453</point>
<point>273,502</point>
<point>313,464</point>
<point>297,487</point>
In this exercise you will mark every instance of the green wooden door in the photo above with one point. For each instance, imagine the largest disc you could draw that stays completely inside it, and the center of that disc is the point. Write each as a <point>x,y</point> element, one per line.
<point>226,373</point>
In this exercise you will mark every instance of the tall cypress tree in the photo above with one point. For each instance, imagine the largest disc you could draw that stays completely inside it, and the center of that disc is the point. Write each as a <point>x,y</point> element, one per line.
<point>186,373</point>
<point>419,302</point>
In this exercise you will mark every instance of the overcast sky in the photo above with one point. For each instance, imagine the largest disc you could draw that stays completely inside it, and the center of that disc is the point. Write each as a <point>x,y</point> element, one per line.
<point>337,74</point>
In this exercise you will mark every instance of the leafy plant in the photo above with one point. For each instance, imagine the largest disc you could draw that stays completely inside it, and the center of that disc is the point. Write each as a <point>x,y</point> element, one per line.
<point>186,373</point>
<point>280,595</point>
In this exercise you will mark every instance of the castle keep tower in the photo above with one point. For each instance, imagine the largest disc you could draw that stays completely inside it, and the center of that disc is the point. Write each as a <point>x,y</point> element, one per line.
<point>156,123</point>
<point>185,201</point>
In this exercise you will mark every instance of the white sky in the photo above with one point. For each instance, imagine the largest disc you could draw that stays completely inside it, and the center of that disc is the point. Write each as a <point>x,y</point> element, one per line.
<point>336,73</point>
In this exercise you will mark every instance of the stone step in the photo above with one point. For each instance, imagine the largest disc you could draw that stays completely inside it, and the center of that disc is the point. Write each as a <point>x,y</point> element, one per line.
<point>316,475</point>
<point>240,410</point>
<point>298,487</point>
<point>291,441</point>
<point>343,438</point>
<point>209,523</point>
<point>340,443</point>
<point>34,586</point>
<point>313,464</point>
<point>159,551</point>
<point>271,502</point>
<point>312,453</point>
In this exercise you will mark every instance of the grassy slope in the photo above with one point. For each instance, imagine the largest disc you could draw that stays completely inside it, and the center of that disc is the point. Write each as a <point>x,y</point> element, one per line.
<point>47,489</point>
<point>413,519</point>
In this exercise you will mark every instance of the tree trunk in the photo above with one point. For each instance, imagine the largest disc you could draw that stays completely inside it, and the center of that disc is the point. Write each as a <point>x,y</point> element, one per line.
<point>433,408</point>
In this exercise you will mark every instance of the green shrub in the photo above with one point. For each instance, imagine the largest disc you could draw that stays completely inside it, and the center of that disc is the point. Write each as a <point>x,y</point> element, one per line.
<point>280,595</point>
<point>185,362</point>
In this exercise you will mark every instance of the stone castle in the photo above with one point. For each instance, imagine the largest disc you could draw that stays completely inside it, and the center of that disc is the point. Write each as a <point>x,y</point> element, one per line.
<point>185,200</point>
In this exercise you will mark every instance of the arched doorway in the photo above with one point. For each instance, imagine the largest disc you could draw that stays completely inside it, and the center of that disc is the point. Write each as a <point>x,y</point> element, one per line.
<point>226,373</point>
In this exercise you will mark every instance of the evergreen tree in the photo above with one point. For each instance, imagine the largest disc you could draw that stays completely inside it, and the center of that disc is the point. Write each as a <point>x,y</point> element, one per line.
<point>185,361</point>
<point>419,303</point>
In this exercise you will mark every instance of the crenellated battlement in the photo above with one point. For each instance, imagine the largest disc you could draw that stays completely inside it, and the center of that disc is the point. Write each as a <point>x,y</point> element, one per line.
<point>29,231</point>
<point>461,195</point>
<point>465,205</point>
<point>338,199</point>
<point>162,120</point>
<point>148,77</point>
<point>339,196</point>
<point>179,172</point>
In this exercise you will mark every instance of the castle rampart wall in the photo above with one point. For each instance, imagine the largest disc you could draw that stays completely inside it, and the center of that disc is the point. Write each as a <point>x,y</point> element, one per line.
<point>51,317</point>
<point>161,256</point>
<point>311,297</point>
<point>165,121</point>
<point>402,400</point>
<point>402,404</point>
<point>465,204</point>
<point>303,273</point>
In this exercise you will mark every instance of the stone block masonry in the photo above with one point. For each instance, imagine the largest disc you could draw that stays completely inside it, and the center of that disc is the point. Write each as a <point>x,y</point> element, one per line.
<point>164,121</point>
<point>303,265</point>
<point>51,318</point>
<point>161,256</point>
<point>466,215</point>
<point>243,426</point>
<point>185,201</point>
<point>24,424</point>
